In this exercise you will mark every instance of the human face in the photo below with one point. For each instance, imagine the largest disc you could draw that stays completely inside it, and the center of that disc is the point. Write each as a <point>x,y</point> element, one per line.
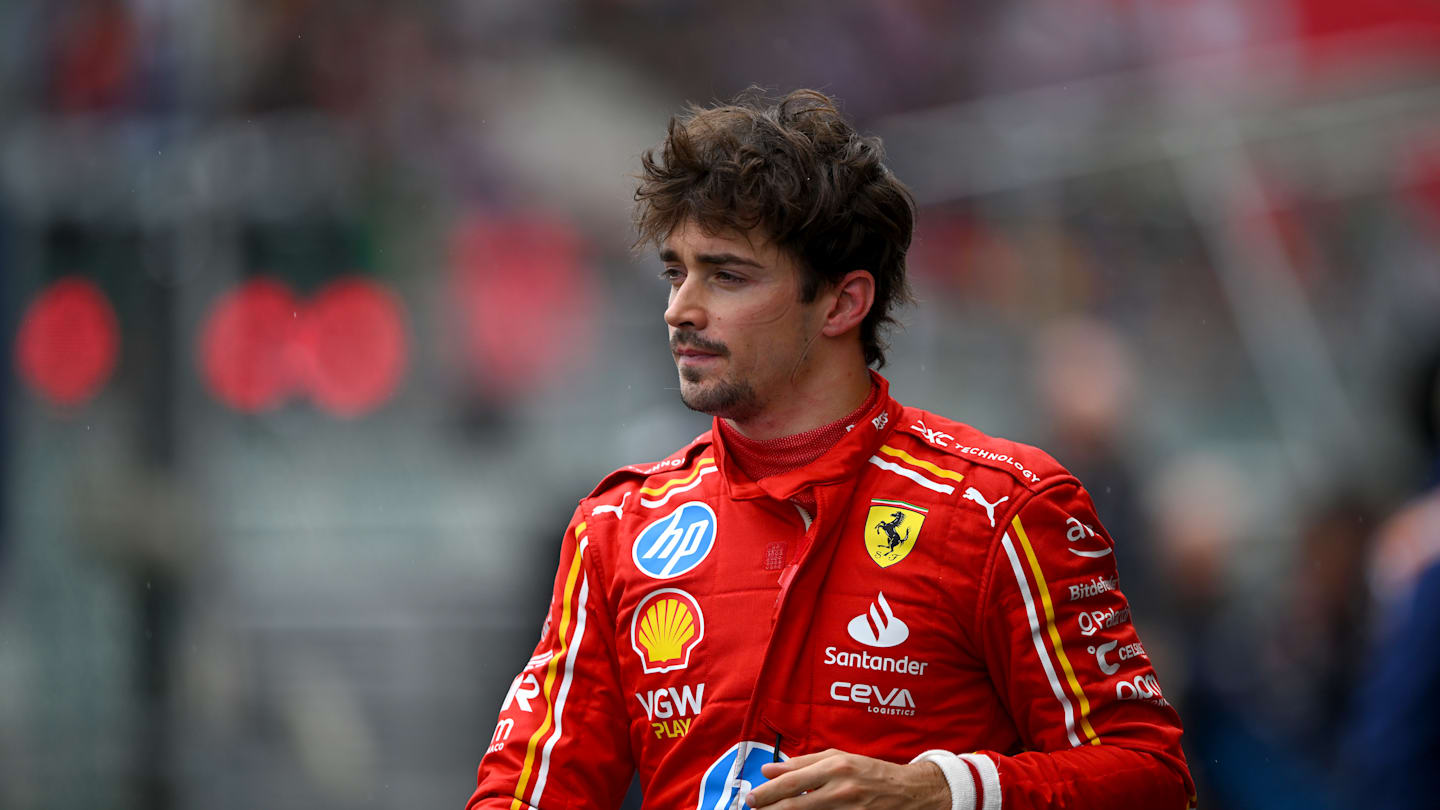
<point>738,329</point>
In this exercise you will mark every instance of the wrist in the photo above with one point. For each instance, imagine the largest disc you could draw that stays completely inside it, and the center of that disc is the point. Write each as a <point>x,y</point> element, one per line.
<point>958,781</point>
<point>933,792</point>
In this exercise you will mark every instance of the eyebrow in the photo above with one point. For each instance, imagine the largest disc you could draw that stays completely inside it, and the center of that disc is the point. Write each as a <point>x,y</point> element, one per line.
<point>671,255</point>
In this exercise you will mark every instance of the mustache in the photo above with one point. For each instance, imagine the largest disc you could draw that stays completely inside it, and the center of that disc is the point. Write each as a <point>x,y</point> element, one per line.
<point>691,340</point>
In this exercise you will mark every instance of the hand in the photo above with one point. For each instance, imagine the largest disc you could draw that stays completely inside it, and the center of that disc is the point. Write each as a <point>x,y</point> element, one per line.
<point>835,779</point>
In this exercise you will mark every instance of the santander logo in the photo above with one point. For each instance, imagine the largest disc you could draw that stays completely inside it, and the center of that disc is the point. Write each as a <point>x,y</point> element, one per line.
<point>878,627</point>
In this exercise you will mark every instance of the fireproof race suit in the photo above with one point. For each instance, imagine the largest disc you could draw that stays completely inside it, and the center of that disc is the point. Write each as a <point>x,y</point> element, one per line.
<point>950,591</point>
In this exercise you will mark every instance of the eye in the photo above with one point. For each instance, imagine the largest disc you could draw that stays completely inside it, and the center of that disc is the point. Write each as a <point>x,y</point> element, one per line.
<point>727,277</point>
<point>674,275</point>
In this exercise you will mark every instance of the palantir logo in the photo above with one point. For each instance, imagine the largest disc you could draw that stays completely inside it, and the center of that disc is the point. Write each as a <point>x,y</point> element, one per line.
<point>676,543</point>
<point>879,627</point>
<point>730,779</point>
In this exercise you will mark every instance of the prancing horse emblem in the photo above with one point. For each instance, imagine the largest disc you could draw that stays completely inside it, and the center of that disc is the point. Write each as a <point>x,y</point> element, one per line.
<point>892,529</point>
<point>893,538</point>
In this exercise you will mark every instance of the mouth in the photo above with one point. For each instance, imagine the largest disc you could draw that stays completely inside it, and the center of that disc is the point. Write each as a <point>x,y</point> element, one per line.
<point>691,357</point>
<point>691,350</point>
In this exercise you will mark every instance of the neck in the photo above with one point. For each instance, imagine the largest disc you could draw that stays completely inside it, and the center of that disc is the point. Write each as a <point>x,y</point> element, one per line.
<point>816,401</point>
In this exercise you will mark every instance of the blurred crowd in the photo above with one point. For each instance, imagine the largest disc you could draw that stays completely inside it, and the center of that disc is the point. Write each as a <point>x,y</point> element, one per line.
<point>1189,248</point>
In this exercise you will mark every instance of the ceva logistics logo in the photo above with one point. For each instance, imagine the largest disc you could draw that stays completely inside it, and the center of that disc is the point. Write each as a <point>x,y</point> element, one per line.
<point>734,775</point>
<point>676,543</point>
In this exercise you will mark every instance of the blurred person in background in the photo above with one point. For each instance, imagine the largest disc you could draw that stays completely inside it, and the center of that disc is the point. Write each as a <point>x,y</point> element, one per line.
<point>828,593</point>
<point>1261,680</point>
<point>1085,374</point>
<point>4,419</point>
<point>1198,514</point>
<point>1391,746</point>
<point>1313,642</point>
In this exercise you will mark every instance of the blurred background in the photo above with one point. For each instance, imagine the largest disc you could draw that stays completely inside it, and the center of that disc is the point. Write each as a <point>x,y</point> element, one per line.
<point>321,314</point>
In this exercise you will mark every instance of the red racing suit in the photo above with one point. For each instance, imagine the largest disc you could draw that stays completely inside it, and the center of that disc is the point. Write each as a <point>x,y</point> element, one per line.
<point>950,591</point>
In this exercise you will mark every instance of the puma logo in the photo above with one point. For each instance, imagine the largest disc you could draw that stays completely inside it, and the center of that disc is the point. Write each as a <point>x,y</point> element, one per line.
<point>973,494</point>
<point>618,511</point>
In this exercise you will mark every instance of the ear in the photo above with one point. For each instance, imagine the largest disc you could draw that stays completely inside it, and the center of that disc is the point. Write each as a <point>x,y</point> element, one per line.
<point>854,295</point>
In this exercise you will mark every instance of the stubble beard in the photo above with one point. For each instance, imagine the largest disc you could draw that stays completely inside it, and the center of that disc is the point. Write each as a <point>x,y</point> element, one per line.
<point>717,396</point>
<point>724,398</point>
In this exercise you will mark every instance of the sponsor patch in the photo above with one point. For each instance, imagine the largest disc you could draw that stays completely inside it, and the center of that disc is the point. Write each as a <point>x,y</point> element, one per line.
<point>501,735</point>
<point>878,627</point>
<point>903,665</point>
<point>525,688</point>
<point>1094,587</point>
<point>876,699</point>
<point>973,494</point>
<point>618,509</point>
<point>1135,650</point>
<point>1093,621</point>
<point>667,464</point>
<point>675,544</point>
<point>671,710</point>
<point>666,626</point>
<point>1082,533</point>
<point>1141,687</point>
<point>935,437</point>
<point>730,778</point>
<point>891,530</point>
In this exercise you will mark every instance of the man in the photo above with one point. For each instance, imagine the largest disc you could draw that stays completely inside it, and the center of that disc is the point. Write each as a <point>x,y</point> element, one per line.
<point>829,600</point>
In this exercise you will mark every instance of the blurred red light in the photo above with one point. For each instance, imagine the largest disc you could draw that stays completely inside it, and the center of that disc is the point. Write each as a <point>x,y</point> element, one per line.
<point>346,348</point>
<point>1319,18</point>
<point>524,300</point>
<point>353,339</point>
<point>68,341</point>
<point>1423,174</point>
<point>1342,36</point>
<point>245,348</point>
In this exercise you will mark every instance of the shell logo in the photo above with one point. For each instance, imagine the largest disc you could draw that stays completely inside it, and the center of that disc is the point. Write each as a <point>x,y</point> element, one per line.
<point>667,625</point>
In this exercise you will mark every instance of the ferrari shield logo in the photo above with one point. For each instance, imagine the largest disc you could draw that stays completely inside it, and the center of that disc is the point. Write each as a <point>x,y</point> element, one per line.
<point>891,530</point>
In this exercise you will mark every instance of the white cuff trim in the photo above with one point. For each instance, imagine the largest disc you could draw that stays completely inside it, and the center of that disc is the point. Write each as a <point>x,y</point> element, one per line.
<point>957,776</point>
<point>989,779</point>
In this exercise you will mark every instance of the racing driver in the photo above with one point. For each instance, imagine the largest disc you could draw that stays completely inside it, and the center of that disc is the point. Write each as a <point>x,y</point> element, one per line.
<point>829,599</point>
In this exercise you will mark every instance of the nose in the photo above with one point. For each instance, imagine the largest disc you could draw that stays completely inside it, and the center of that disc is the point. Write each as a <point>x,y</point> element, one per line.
<point>687,305</point>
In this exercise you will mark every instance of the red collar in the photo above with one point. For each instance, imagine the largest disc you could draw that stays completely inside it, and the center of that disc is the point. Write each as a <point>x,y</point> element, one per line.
<point>761,459</point>
<point>843,460</point>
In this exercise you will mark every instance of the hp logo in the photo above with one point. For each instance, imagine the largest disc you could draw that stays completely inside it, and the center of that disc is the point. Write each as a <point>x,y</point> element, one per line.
<point>676,543</point>
<point>732,776</point>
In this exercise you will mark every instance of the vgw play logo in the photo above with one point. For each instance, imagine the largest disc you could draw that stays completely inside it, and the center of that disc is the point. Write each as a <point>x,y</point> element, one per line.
<point>676,543</point>
<point>727,782</point>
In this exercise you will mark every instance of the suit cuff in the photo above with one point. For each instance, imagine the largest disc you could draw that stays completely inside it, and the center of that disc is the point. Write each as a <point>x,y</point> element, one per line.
<point>957,775</point>
<point>989,775</point>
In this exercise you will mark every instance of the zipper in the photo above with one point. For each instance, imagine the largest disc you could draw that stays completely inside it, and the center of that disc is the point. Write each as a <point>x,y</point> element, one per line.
<point>752,715</point>
<point>734,781</point>
<point>788,575</point>
<point>805,516</point>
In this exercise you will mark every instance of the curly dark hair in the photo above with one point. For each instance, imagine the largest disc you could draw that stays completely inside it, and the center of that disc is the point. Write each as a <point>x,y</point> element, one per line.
<point>796,171</point>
